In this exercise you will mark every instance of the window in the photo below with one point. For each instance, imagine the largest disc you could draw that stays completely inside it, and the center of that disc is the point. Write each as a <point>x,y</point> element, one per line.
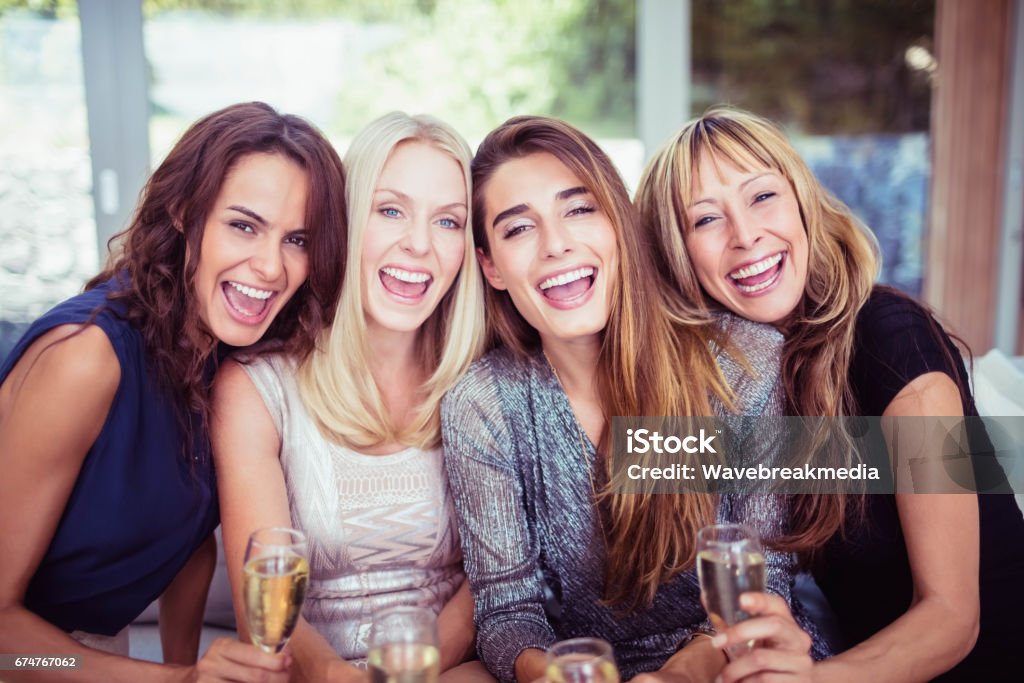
<point>46,217</point>
<point>343,63</point>
<point>851,82</point>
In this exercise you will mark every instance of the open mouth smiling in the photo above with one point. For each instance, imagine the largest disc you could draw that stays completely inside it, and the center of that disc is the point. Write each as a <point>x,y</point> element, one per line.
<point>405,284</point>
<point>250,304</point>
<point>760,275</point>
<point>568,286</point>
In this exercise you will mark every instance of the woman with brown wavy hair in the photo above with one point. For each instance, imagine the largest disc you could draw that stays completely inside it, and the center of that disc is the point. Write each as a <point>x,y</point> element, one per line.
<point>743,225</point>
<point>550,550</point>
<point>108,500</point>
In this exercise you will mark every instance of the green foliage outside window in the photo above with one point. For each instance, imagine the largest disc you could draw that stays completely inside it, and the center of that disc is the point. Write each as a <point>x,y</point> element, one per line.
<point>822,67</point>
<point>835,66</point>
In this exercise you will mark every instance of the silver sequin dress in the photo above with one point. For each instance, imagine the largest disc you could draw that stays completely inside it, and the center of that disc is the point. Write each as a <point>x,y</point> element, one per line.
<point>533,552</point>
<point>381,528</point>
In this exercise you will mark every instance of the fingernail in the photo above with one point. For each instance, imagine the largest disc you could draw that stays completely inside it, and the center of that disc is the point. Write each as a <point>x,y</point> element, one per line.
<point>746,600</point>
<point>718,641</point>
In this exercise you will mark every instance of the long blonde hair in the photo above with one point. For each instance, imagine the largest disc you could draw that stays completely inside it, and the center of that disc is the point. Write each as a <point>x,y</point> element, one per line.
<point>650,538</point>
<point>843,263</point>
<point>335,381</point>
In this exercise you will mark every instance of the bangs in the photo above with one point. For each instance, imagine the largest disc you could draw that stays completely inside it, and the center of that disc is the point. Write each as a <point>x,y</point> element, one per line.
<point>727,139</point>
<point>719,141</point>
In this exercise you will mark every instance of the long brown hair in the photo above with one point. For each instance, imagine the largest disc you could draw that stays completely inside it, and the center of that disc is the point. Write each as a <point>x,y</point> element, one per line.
<point>160,251</point>
<point>650,538</point>
<point>842,265</point>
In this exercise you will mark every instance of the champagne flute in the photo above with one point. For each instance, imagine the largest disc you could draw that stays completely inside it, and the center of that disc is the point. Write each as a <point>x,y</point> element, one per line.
<point>276,575</point>
<point>729,563</point>
<point>581,660</point>
<point>403,646</point>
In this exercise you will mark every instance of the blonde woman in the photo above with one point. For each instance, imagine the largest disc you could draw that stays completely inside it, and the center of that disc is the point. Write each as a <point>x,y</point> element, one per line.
<point>743,225</point>
<point>344,444</point>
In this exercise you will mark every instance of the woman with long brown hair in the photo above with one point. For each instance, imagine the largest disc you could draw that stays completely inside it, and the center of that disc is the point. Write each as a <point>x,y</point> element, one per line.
<point>743,225</point>
<point>108,499</point>
<point>551,551</point>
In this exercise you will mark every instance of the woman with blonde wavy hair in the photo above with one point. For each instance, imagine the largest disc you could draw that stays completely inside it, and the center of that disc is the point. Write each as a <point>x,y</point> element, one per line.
<point>582,335</point>
<point>743,225</point>
<point>345,443</point>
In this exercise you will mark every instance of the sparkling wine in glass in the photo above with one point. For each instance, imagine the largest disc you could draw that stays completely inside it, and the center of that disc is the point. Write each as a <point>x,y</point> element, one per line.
<point>403,646</point>
<point>729,563</point>
<point>276,574</point>
<point>581,660</point>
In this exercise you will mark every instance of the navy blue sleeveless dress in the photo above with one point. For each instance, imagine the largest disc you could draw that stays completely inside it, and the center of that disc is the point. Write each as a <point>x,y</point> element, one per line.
<point>138,510</point>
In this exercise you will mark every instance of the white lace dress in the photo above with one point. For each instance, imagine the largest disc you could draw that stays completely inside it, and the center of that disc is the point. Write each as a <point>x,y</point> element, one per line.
<point>381,528</point>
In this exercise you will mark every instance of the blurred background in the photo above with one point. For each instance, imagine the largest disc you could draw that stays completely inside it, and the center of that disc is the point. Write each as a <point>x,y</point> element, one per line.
<point>910,110</point>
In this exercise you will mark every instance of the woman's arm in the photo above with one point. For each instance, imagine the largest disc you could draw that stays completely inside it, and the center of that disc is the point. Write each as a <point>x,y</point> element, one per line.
<point>62,388</point>
<point>941,532</point>
<point>455,628</point>
<point>53,405</point>
<point>783,648</point>
<point>697,662</point>
<point>183,603</point>
<point>253,495</point>
<point>500,549</point>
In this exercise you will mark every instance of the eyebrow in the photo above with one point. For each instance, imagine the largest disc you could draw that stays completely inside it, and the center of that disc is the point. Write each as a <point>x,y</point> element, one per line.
<point>260,219</point>
<point>406,198</point>
<point>523,208</point>
<point>508,213</point>
<point>248,212</point>
<point>572,192</point>
<point>708,200</point>
<point>753,178</point>
<point>401,195</point>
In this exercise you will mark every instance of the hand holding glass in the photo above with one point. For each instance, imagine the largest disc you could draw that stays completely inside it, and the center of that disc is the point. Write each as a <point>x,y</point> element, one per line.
<point>581,660</point>
<point>729,563</point>
<point>403,646</point>
<point>276,574</point>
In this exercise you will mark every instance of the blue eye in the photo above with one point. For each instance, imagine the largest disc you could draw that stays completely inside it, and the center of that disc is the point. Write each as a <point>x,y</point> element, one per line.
<point>701,222</point>
<point>391,212</point>
<point>449,223</point>
<point>763,196</point>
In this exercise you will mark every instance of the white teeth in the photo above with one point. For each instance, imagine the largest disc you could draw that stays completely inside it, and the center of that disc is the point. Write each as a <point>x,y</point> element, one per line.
<point>406,276</point>
<point>750,289</point>
<point>251,292</point>
<point>566,278</point>
<point>756,268</point>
